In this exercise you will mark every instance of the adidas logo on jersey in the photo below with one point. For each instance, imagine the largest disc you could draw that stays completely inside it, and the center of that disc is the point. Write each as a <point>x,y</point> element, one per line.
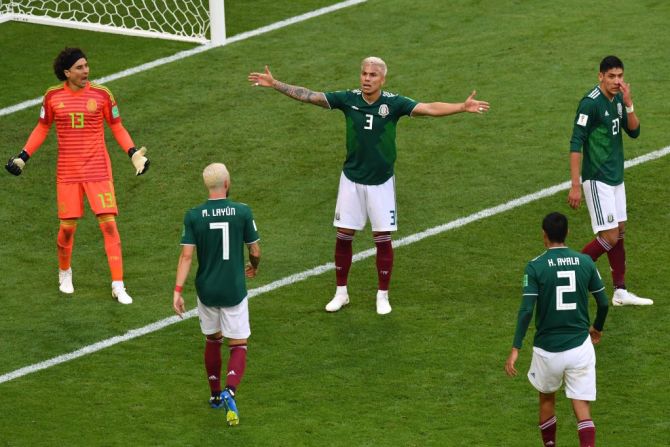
<point>607,113</point>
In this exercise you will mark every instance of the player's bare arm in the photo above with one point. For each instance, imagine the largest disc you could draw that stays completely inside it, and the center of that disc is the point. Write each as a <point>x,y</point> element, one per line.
<point>633,120</point>
<point>254,259</point>
<point>183,268</point>
<point>470,105</point>
<point>296,92</point>
<point>575,194</point>
<point>511,360</point>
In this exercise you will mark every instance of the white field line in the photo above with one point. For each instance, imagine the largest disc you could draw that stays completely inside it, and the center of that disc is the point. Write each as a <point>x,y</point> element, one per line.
<point>187,53</point>
<point>153,327</point>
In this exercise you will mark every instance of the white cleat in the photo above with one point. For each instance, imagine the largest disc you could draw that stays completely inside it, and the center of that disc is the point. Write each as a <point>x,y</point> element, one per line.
<point>121,295</point>
<point>383,305</point>
<point>65,281</point>
<point>623,297</point>
<point>339,300</point>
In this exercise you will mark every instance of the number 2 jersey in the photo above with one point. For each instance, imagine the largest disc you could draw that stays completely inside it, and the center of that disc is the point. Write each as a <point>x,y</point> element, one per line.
<point>371,131</point>
<point>558,283</point>
<point>79,117</point>
<point>597,129</point>
<point>219,229</point>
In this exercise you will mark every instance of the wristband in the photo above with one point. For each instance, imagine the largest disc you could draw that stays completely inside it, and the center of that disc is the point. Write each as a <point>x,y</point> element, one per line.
<point>132,150</point>
<point>630,109</point>
<point>178,289</point>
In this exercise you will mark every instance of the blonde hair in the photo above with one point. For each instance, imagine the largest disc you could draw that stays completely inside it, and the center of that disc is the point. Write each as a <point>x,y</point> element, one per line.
<point>372,60</point>
<point>215,176</point>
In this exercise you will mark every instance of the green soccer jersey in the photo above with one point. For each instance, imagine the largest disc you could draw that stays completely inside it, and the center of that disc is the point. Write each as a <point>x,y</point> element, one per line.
<point>597,129</point>
<point>371,130</point>
<point>219,229</point>
<point>558,282</point>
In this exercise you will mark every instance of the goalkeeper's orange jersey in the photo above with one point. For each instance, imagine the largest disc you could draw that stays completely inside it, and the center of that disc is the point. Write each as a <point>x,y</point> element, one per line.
<point>79,115</point>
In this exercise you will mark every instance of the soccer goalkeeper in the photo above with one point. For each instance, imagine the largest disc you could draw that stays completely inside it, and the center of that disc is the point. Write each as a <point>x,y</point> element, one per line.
<point>79,108</point>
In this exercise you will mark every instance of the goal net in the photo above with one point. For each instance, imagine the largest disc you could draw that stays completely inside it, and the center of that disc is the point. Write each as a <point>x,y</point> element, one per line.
<point>199,21</point>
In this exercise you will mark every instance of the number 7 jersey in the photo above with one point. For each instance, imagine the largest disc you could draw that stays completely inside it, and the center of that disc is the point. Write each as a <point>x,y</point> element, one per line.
<point>219,229</point>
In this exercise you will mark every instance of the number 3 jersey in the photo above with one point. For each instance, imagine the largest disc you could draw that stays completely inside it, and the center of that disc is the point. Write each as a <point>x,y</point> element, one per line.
<point>558,284</point>
<point>219,229</point>
<point>597,129</point>
<point>79,115</point>
<point>371,131</point>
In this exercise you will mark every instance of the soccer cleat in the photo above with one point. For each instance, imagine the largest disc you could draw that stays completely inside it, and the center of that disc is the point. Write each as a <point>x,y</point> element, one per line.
<point>338,301</point>
<point>383,305</point>
<point>623,297</point>
<point>228,399</point>
<point>65,281</point>
<point>216,402</point>
<point>121,295</point>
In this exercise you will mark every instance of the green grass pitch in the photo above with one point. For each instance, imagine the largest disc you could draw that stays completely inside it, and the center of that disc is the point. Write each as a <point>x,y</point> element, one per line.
<point>431,372</point>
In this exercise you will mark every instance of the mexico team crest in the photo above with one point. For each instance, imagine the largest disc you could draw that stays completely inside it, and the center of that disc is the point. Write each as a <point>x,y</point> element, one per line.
<point>383,110</point>
<point>619,109</point>
<point>92,105</point>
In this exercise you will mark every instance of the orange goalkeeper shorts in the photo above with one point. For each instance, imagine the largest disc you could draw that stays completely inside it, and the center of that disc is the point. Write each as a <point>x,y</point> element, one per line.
<point>100,195</point>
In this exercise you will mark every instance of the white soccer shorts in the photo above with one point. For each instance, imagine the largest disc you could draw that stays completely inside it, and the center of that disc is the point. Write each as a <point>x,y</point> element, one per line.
<point>606,204</point>
<point>356,203</point>
<point>577,366</point>
<point>232,321</point>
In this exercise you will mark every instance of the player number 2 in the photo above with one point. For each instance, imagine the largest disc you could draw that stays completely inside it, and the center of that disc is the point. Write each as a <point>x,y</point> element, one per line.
<point>368,121</point>
<point>560,290</point>
<point>225,244</point>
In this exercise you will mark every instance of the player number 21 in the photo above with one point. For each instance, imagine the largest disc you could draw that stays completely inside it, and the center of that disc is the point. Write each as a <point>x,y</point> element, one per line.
<point>225,243</point>
<point>560,290</point>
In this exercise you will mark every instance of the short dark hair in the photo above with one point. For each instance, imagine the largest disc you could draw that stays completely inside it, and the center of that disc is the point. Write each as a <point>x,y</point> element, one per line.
<point>610,62</point>
<point>555,225</point>
<point>65,60</point>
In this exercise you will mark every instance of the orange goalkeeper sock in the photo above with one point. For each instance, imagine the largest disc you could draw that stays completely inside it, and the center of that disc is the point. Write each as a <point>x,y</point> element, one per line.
<point>112,245</point>
<point>65,242</point>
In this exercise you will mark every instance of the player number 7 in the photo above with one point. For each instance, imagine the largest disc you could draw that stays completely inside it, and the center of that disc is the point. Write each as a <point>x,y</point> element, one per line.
<point>223,226</point>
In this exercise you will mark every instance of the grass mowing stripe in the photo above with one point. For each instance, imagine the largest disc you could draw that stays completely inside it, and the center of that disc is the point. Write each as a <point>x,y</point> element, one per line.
<point>200,49</point>
<point>488,212</point>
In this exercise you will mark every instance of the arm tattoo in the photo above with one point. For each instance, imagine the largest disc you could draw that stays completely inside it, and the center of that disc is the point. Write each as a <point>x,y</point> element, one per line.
<point>302,94</point>
<point>254,260</point>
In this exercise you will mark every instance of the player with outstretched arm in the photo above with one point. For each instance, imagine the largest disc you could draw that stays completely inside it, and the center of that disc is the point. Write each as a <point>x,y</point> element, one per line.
<point>367,183</point>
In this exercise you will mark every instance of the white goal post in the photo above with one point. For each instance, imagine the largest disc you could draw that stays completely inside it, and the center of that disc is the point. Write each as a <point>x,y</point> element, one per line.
<point>201,21</point>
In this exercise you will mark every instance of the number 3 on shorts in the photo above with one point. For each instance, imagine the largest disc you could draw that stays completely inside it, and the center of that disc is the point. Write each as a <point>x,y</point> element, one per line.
<point>392,212</point>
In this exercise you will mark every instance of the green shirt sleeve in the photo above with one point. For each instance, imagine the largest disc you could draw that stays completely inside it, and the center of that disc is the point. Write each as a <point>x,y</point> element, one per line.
<point>583,123</point>
<point>407,105</point>
<point>250,230</point>
<point>597,288</point>
<point>336,99</point>
<point>187,235</point>
<point>530,292</point>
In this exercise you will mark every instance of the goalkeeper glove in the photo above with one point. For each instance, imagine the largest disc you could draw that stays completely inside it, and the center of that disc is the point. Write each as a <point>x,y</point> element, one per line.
<point>16,164</point>
<point>140,162</point>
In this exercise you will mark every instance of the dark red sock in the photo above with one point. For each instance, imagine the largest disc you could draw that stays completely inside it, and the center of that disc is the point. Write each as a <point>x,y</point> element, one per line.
<point>384,260</point>
<point>343,255</point>
<point>586,430</point>
<point>596,247</point>
<point>548,431</point>
<point>213,364</point>
<point>236,364</point>
<point>617,258</point>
